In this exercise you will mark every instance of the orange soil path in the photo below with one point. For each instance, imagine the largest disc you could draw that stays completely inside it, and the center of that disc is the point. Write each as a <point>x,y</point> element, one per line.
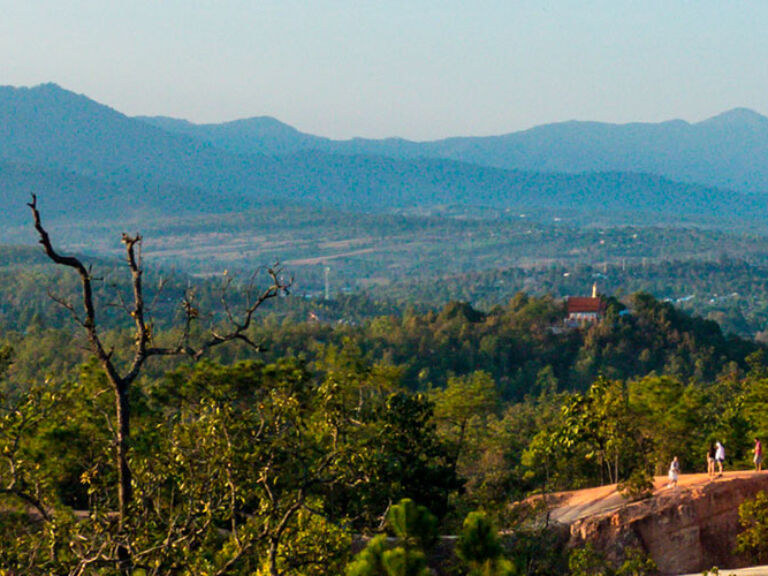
<point>570,506</point>
<point>574,505</point>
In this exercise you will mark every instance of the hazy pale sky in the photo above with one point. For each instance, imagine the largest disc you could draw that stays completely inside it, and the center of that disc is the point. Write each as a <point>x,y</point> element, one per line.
<point>419,69</point>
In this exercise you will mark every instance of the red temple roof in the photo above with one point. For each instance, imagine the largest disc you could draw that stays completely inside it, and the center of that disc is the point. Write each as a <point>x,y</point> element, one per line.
<point>583,305</point>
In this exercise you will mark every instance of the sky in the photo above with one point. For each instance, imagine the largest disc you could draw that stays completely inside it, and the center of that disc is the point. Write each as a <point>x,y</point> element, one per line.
<point>417,69</point>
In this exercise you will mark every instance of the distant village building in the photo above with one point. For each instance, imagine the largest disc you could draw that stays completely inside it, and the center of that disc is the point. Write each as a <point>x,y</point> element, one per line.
<point>582,310</point>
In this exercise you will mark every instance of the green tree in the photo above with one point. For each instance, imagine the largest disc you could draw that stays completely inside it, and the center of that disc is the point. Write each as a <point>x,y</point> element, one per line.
<point>251,449</point>
<point>397,453</point>
<point>370,560</point>
<point>414,530</point>
<point>479,548</point>
<point>587,561</point>
<point>637,563</point>
<point>144,345</point>
<point>753,518</point>
<point>464,402</point>
<point>231,467</point>
<point>668,415</point>
<point>600,426</point>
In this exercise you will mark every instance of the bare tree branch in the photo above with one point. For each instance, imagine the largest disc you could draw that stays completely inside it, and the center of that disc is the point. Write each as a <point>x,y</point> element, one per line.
<point>67,305</point>
<point>142,347</point>
<point>89,321</point>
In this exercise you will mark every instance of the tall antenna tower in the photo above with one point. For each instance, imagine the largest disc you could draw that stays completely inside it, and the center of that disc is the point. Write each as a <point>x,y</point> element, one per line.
<point>327,282</point>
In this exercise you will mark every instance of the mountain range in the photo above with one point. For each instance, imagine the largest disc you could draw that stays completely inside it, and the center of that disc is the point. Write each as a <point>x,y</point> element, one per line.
<point>88,161</point>
<point>729,150</point>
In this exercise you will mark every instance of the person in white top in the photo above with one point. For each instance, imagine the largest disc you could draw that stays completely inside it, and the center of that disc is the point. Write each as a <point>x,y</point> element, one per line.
<point>719,457</point>
<point>674,471</point>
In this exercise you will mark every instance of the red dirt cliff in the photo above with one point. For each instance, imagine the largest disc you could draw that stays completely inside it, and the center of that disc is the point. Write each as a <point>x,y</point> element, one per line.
<point>686,529</point>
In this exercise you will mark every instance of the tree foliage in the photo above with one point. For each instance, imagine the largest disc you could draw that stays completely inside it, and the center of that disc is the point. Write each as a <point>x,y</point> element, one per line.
<point>267,464</point>
<point>479,548</point>
<point>753,518</point>
<point>414,531</point>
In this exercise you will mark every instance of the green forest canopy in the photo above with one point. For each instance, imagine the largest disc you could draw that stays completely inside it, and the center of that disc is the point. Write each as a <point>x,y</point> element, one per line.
<point>274,460</point>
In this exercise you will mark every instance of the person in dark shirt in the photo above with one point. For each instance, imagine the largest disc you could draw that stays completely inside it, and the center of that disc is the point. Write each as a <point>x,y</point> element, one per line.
<point>711,461</point>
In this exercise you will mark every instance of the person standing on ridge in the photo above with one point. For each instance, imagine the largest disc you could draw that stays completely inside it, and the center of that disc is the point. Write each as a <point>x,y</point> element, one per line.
<point>711,460</point>
<point>758,459</point>
<point>719,457</point>
<point>674,471</point>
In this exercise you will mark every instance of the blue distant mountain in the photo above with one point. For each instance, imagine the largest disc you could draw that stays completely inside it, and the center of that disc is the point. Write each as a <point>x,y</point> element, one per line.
<point>88,160</point>
<point>729,150</point>
<point>262,135</point>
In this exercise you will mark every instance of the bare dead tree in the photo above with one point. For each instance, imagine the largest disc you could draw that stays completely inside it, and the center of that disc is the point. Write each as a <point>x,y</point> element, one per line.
<point>143,348</point>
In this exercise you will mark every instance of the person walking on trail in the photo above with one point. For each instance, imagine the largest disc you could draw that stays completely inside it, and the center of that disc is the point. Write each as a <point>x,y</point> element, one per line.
<point>719,457</point>
<point>758,459</point>
<point>711,460</point>
<point>674,472</point>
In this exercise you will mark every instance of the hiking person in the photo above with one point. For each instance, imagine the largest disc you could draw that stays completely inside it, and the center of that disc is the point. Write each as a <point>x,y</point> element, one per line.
<point>758,459</point>
<point>711,460</point>
<point>674,472</point>
<point>719,457</point>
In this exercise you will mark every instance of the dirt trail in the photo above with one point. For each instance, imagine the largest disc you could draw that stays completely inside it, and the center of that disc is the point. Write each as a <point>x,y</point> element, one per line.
<point>577,504</point>
<point>589,505</point>
<point>754,571</point>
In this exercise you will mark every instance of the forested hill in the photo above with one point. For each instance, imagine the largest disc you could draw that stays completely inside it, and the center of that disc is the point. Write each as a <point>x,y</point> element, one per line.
<point>525,352</point>
<point>522,344</point>
<point>730,291</point>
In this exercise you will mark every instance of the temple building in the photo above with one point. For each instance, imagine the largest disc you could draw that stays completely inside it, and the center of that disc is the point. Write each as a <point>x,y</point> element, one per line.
<point>582,310</point>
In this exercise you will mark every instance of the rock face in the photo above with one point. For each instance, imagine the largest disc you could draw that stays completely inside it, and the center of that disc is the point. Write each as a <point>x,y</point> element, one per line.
<point>686,529</point>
